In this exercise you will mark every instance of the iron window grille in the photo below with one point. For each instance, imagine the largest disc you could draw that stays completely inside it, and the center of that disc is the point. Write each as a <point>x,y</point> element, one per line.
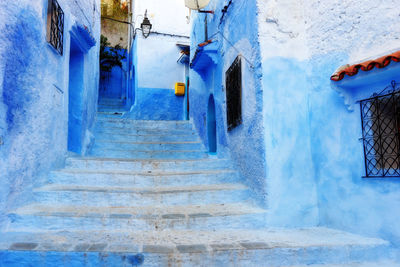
<point>233,84</point>
<point>55,25</point>
<point>380,118</point>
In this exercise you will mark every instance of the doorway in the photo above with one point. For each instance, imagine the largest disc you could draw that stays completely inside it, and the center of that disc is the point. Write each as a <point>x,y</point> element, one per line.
<point>211,126</point>
<point>75,92</point>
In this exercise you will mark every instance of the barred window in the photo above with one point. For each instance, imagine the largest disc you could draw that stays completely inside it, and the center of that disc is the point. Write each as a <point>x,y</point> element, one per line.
<point>380,117</point>
<point>55,25</point>
<point>233,84</point>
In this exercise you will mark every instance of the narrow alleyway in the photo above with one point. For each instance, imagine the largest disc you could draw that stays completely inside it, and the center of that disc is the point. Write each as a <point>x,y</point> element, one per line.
<point>149,192</point>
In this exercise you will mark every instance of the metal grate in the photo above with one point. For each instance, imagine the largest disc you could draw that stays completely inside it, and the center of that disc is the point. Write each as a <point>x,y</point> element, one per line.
<point>233,85</point>
<point>55,25</point>
<point>380,118</point>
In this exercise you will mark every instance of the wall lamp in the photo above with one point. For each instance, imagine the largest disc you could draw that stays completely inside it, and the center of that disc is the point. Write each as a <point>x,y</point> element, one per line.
<point>146,26</point>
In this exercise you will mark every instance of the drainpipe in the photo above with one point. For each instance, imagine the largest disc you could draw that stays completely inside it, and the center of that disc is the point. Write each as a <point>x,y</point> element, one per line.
<point>205,29</point>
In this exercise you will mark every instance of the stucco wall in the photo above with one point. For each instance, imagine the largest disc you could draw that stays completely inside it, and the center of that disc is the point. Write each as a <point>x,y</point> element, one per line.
<point>155,65</point>
<point>352,31</point>
<point>245,143</point>
<point>314,154</point>
<point>34,93</point>
<point>292,194</point>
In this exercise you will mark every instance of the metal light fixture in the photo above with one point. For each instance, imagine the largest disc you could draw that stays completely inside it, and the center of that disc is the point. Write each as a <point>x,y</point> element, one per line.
<point>146,26</point>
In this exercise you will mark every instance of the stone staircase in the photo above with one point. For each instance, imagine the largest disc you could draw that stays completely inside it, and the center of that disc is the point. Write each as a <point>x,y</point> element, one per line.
<point>148,194</point>
<point>111,105</point>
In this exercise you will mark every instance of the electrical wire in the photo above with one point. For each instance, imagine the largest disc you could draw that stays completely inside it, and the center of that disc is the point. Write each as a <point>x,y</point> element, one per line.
<point>233,46</point>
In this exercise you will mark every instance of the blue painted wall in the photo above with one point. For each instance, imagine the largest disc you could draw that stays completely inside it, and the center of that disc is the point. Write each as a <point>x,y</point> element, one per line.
<point>244,144</point>
<point>346,200</point>
<point>312,126</point>
<point>157,104</point>
<point>290,177</point>
<point>155,71</point>
<point>34,94</point>
<point>298,147</point>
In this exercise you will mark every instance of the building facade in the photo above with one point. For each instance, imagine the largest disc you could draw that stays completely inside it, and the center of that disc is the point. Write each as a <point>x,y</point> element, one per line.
<point>48,89</point>
<point>295,134</point>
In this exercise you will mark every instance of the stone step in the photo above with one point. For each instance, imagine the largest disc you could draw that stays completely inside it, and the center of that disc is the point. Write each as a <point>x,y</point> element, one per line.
<point>267,247</point>
<point>144,179</point>
<point>135,196</point>
<point>121,109</point>
<point>110,114</point>
<point>110,100</point>
<point>162,154</point>
<point>388,263</point>
<point>125,137</point>
<point>213,216</point>
<point>142,131</point>
<point>147,165</point>
<point>148,146</point>
<point>106,121</point>
<point>110,105</point>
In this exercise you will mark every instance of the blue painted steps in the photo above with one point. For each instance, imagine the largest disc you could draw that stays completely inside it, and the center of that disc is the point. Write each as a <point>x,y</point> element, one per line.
<point>146,154</point>
<point>147,190</point>
<point>97,163</point>
<point>123,196</point>
<point>148,146</point>
<point>144,178</point>
<point>111,104</point>
<point>162,217</point>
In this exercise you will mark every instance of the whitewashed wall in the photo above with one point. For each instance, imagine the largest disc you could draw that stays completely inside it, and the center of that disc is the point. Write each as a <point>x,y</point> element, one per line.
<point>313,146</point>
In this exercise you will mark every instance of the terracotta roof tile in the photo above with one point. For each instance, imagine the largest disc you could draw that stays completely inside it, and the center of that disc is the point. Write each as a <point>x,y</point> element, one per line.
<point>365,66</point>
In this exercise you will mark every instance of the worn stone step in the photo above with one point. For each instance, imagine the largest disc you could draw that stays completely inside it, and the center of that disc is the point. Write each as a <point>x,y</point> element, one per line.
<point>145,179</point>
<point>110,100</point>
<point>147,165</point>
<point>134,196</point>
<point>213,216</point>
<point>116,121</point>
<point>147,137</point>
<point>100,129</point>
<point>110,114</point>
<point>148,146</point>
<point>121,109</point>
<point>110,105</point>
<point>387,263</point>
<point>267,247</point>
<point>161,154</point>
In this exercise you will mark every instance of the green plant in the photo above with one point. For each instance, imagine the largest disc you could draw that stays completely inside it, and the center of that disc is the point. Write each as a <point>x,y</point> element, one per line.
<point>110,57</point>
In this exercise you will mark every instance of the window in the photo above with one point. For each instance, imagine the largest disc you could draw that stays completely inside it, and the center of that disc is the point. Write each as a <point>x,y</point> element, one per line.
<point>55,25</point>
<point>380,117</point>
<point>233,84</point>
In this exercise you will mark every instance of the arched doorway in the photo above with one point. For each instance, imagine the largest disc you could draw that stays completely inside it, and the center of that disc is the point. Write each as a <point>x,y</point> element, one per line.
<point>211,126</point>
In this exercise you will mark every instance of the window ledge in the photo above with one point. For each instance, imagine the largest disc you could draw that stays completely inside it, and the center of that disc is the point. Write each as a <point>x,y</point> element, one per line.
<point>365,83</point>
